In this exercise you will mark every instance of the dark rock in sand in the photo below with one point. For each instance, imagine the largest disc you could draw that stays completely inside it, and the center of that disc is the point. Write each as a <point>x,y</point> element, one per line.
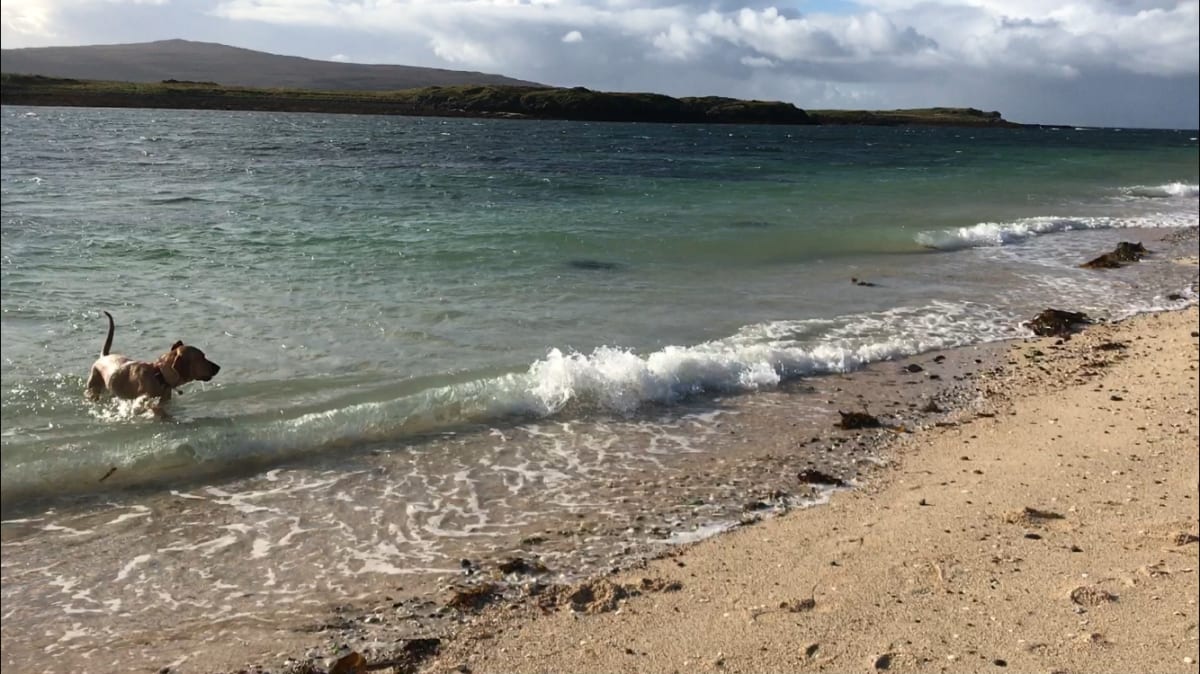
<point>660,585</point>
<point>1090,595</point>
<point>473,598</point>
<point>814,476</point>
<point>914,368</point>
<point>351,663</point>
<point>1030,516</point>
<point>523,566</point>
<point>855,420</point>
<point>1124,252</point>
<point>863,283</point>
<point>410,656</point>
<point>1183,537</point>
<point>1057,323</point>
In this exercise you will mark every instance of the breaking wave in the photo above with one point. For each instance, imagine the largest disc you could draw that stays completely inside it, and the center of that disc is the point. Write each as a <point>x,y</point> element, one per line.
<point>607,380</point>
<point>1016,231</point>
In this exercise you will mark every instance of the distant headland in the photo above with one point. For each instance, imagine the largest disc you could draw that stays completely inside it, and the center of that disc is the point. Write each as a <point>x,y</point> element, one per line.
<point>494,101</point>
<point>183,74</point>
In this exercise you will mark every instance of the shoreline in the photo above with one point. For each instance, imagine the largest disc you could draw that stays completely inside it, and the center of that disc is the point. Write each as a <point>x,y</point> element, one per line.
<point>774,593</point>
<point>608,561</point>
<point>989,543</point>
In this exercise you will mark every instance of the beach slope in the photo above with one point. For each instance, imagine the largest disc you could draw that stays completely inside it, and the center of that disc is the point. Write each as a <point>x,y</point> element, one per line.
<point>1053,529</point>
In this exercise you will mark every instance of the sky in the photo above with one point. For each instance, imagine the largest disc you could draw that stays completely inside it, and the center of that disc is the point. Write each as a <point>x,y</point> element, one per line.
<point>1131,63</point>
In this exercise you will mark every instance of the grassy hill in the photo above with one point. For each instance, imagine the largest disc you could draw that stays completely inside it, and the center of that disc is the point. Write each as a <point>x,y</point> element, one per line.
<point>531,102</point>
<point>912,117</point>
<point>231,66</point>
<point>455,101</point>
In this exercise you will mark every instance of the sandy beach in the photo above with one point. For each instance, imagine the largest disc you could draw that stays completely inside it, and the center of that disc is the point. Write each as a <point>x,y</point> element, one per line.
<point>1051,527</point>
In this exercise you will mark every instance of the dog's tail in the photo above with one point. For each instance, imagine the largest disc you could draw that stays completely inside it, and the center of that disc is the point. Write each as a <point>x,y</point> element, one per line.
<point>108,340</point>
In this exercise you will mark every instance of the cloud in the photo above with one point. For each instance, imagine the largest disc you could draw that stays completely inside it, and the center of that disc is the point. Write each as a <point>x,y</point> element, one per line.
<point>32,19</point>
<point>892,52</point>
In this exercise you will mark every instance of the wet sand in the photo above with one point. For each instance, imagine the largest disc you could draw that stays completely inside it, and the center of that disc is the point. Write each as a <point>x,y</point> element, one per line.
<point>1052,529</point>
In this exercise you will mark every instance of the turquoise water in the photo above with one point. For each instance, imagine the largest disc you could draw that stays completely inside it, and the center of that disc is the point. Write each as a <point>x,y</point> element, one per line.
<point>362,280</point>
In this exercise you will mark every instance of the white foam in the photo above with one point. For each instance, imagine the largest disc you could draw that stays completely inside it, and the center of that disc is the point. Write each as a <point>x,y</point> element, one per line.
<point>609,379</point>
<point>1016,231</point>
<point>1175,189</point>
<point>757,357</point>
<point>131,565</point>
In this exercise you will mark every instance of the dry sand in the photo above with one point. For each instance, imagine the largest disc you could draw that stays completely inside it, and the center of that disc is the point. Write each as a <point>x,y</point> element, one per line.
<point>1053,532</point>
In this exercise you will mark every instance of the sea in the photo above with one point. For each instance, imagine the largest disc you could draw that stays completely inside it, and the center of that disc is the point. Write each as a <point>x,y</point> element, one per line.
<point>447,340</point>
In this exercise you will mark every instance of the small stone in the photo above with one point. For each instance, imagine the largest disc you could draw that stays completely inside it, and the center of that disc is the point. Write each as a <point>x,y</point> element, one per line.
<point>1090,595</point>
<point>1000,662</point>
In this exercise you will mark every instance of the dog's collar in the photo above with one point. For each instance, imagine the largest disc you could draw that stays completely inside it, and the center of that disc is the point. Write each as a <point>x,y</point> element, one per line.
<point>161,378</point>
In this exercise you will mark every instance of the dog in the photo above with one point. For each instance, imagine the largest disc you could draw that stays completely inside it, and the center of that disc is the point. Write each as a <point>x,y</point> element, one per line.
<point>126,378</point>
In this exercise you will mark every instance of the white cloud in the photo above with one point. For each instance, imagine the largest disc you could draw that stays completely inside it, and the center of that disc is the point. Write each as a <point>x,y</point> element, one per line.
<point>32,19</point>
<point>460,50</point>
<point>939,51</point>
<point>757,62</point>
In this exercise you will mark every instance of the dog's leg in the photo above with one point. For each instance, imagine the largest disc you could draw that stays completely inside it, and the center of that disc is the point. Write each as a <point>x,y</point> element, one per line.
<point>95,385</point>
<point>159,412</point>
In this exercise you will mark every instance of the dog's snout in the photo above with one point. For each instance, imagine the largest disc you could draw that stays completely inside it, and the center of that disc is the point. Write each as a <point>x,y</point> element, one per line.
<point>216,369</point>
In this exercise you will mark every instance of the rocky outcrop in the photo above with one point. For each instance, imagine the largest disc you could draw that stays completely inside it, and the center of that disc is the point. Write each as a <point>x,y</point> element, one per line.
<point>1123,253</point>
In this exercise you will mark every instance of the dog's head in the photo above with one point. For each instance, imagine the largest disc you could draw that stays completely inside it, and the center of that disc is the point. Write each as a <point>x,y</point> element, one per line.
<point>187,363</point>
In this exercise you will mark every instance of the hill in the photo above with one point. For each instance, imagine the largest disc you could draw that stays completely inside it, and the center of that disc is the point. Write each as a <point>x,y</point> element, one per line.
<point>455,101</point>
<point>231,66</point>
<point>514,102</point>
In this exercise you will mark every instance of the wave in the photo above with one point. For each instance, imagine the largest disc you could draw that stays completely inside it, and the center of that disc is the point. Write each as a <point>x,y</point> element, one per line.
<point>1176,189</point>
<point>608,380</point>
<point>1016,231</point>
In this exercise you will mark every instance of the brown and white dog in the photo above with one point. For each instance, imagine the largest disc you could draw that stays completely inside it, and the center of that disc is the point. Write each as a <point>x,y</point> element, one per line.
<point>127,378</point>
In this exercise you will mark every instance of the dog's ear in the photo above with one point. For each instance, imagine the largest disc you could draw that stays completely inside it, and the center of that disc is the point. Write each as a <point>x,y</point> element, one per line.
<point>176,345</point>
<point>171,375</point>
